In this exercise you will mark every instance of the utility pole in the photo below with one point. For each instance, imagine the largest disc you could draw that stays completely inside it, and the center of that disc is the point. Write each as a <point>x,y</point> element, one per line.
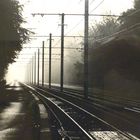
<point>29,73</point>
<point>86,49</point>
<point>62,54</point>
<point>26,75</point>
<point>32,70</point>
<point>43,63</point>
<point>62,46</point>
<point>38,68</point>
<point>35,69</point>
<point>50,59</point>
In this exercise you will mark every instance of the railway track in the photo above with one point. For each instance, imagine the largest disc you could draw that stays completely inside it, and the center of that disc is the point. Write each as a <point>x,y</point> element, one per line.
<point>116,114</point>
<point>114,99</point>
<point>74,122</point>
<point>109,101</point>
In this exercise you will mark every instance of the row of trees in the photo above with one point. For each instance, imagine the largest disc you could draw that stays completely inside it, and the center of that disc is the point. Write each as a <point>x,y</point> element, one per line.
<point>12,34</point>
<point>108,50</point>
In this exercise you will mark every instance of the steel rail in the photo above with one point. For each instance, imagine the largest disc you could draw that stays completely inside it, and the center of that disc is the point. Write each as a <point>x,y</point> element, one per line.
<point>87,112</point>
<point>68,116</point>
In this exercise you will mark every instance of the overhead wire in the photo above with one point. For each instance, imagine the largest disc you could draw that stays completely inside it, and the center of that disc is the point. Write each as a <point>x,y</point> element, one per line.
<point>75,25</point>
<point>92,2</point>
<point>97,6</point>
<point>79,21</point>
<point>68,32</point>
<point>125,29</point>
<point>131,28</point>
<point>83,19</point>
<point>133,12</point>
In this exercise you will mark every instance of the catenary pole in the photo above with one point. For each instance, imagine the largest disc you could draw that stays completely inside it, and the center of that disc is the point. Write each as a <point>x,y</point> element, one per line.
<point>50,59</point>
<point>32,60</point>
<point>86,49</point>
<point>43,63</point>
<point>30,72</point>
<point>38,68</point>
<point>62,54</point>
<point>35,69</point>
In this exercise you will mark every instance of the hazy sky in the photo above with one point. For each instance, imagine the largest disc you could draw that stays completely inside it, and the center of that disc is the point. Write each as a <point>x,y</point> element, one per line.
<point>49,24</point>
<point>65,6</point>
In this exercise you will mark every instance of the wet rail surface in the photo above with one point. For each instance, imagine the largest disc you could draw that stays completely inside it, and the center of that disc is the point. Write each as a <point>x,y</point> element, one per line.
<point>109,102</point>
<point>94,126</point>
<point>119,114</point>
<point>78,91</point>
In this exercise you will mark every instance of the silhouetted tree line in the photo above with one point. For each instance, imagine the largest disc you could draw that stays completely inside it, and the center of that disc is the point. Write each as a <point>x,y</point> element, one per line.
<point>12,34</point>
<point>119,52</point>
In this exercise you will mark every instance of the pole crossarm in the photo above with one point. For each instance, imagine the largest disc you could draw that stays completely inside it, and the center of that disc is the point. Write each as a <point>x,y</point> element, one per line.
<point>73,14</point>
<point>55,36</point>
<point>40,53</point>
